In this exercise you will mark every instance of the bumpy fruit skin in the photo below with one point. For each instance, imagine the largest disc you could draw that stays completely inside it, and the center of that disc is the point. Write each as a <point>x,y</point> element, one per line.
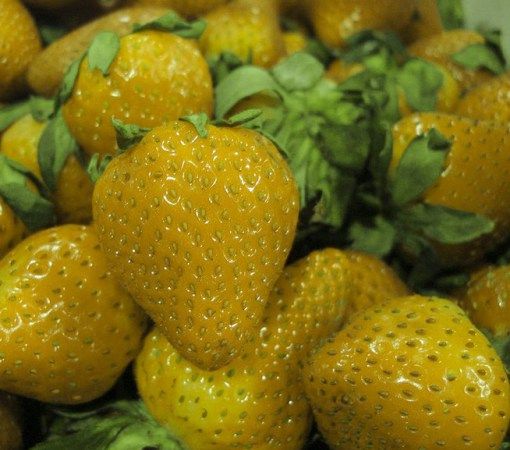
<point>47,69</point>
<point>68,328</point>
<point>156,77</point>
<point>412,373</point>
<point>73,194</point>
<point>187,8</point>
<point>426,21</point>
<point>489,100</point>
<point>439,48</point>
<point>19,43</point>
<point>335,20</point>
<point>12,229</point>
<point>10,423</point>
<point>257,400</point>
<point>198,229</point>
<point>371,282</point>
<point>475,177</point>
<point>486,297</point>
<point>246,28</point>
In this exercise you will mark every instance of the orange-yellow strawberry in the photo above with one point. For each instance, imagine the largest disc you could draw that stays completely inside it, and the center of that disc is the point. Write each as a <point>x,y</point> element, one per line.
<point>426,21</point>
<point>47,69</point>
<point>68,328</point>
<point>19,43</point>
<point>247,28</point>
<point>336,20</point>
<point>198,229</point>
<point>294,41</point>
<point>489,100</point>
<point>10,423</point>
<point>486,297</point>
<point>257,401</point>
<point>155,78</point>
<point>73,193</point>
<point>439,48</point>
<point>475,176</point>
<point>413,373</point>
<point>187,8</point>
<point>12,229</point>
<point>371,282</point>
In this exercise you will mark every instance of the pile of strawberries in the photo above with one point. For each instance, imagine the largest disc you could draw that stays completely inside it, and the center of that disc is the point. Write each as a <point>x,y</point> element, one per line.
<point>289,216</point>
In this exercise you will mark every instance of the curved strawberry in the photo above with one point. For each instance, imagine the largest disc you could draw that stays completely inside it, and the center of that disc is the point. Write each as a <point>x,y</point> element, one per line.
<point>198,229</point>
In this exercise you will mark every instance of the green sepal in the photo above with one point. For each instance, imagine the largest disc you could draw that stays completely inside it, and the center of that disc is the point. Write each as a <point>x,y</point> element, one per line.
<point>42,108</point>
<point>50,32</point>
<point>377,238</point>
<point>367,43</point>
<point>223,64</point>
<point>241,118</point>
<point>421,82</point>
<point>319,51</point>
<point>478,56</point>
<point>381,152</point>
<point>444,225</point>
<point>103,50</point>
<point>128,135</point>
<point>452,13</point>
<point>200,122</point>
<point>174,23</point>
<point>97,165</point>
<point>299,71</point>
<point>35,211</point>
<point>419,167</point>
<point>451,281</point>
<point>242,83</point>
<point>55,146</point>
<point>68,82</point>
<point>119,426</point>
<point>11,113</point>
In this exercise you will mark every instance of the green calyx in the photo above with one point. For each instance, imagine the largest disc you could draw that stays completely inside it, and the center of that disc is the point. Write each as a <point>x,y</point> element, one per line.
<point>31,205</point>
<point>174,23</point>
<point>118,426</point>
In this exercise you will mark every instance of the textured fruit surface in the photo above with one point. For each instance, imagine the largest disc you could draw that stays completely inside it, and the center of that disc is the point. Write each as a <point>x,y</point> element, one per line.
<point>47,69</point>
<point>198,229</point>
<point>246,28</point>
<point>73,193</point>
<point>12,229</point>
<point>68,329</point>
<point>426,21</point>
<point>19,43</point>
<point>439,48</point>
<point>413,373</point>
<point>187,8</point>
<point>486,299</point>
<point>489,100</point>
<point>371,282</point>
<point>335,20</point>
<point>156,77</point>
<point>10,423</point>
<point>475,177</point>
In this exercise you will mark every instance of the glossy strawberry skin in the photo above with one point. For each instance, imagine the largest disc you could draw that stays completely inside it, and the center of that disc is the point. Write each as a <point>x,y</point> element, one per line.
<point>12,229</point>
<point>411,373</point>
<point>68,328</point>
<point>198,230</point>
<point>156,77</point>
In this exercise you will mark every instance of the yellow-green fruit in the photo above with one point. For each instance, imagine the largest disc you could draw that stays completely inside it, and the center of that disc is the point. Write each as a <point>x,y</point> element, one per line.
<point>19,44</point>
<point>68,328</point>
<point>155,78</point>
<point>12,229</point>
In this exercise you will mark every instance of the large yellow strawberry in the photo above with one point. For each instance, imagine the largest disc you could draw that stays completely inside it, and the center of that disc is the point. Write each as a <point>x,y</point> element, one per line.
<point>198,229</point>
<point>247,28</point>
<point>12,229</point>
<point>19,43</point>
<point>68,328</point>
<point>426,21</point>
<point>73,191</point>
<point>156,77</point>
<point>412,373</point>
<point>336,20</point>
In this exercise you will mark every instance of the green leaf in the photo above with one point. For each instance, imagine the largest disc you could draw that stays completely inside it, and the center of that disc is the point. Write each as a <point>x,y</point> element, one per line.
<point>367,43</point>
<point>241,118</point>
<point>35,211</point>
<point>241,83</point>
<point>452,14</point>
<point>173,23</point>
<point>421,82</point>
<point>445,225</point>
<point>377,238</point>
<point>224,63</point>
<point>68,82</point>
<point>478,56</point>
<point>319,51</point>
<point>200,122</point>
<point>51,32</point>
<point>11,113</point>
<point>118,426</point>
<point>42,108</point>
<point>97,165</point>
<point>54,147</point>
<point>103,50</point>
<point>299,71</point>
<point>128,135</point>
<point>419,167</point>
<point>381,152</point>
